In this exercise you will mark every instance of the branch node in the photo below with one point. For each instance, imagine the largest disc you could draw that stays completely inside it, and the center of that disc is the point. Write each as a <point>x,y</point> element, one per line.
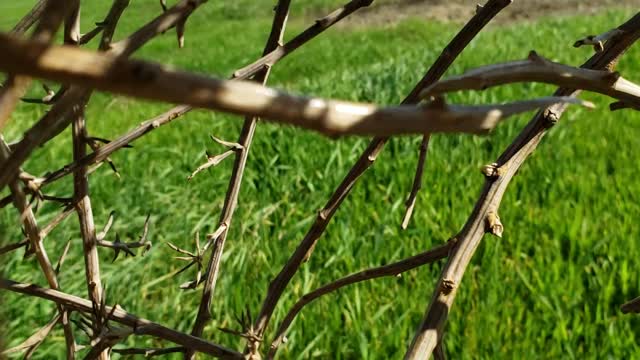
<point>494,225</point>
<point>447,286</point>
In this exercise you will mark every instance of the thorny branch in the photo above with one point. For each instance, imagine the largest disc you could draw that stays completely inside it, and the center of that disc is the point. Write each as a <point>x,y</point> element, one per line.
<point>484,14</point>
<point>241,150</point>
<point>484,218</point>
<point>330,117</point>
<point>368,157</point>
<point>110,70</point>
<point>427,257</point>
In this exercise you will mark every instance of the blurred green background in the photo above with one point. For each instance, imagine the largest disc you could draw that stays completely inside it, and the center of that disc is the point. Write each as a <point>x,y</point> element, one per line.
<point>550,288</point>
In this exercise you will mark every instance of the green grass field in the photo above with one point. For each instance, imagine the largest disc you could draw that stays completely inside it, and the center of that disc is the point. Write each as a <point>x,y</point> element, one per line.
<point>550,288</point>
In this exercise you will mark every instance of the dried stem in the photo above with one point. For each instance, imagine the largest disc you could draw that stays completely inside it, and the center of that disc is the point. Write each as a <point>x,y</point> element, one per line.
<point>55,121</point>
<point>36,339</point>
<point>330,117</point>
<point>59,117</point>
<point>483,15</point>
<point>231,199</point>
<point>306,246</point>
<point>51,18</point>
<point>148,353</point>
<point>140,326</point>
<point>429,333</point>
<point>538,69</point>
<point>276,54</point>
<point>30,18</point>
<point>394,269</point>
<point>35,237</point>
<point>82,204</point>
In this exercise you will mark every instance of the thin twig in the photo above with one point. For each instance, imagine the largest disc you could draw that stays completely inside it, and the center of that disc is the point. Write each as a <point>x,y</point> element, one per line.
<point>140,326</point>
<point>82,204</point>
<point>483,16</point>
<point>241,150</point>
<point>538,69</point>
<point>330,117</point>
<point>394,269</point>
<point>149,353</point>
<point>368,157</point>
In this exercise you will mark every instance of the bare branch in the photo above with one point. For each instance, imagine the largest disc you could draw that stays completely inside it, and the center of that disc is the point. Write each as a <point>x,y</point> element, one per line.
<point>139,325</point>
<point>82,204</point>
<point>15,246</point>
<point>276,54</point>
<point>538,69</point>
<point>483,15</point>
<point>241,149</point>
<point>31,18</point>
<point>429,333</point>
<point>598,41</point>
<point>56,120</point>
<point>632,306</point>
<point>394,269</point>
<point>330,117</point>
<point>212,160</point>
<point>51,18</point>
<point>366,160</point>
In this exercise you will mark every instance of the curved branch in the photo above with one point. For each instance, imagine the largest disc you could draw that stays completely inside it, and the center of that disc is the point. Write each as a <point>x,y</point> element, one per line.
<point>140,326</point>
<point>538,69</point>
<point>330,117</point>
<point>498,177</point>
<point>427,257</point>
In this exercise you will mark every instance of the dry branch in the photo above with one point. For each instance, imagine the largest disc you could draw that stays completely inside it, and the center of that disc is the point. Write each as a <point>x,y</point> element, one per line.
<point>429,333</point>
<point>58,118</point>
<point>148,353</point>
<point>538,69</point>
<point>82,204</point>
<point>427,257</point>
<point>274,55</point>
<point>330,117</point>
<point>50,20</point>
<point>368,157</point>
<point>241,150</point>
<point>140,326</point>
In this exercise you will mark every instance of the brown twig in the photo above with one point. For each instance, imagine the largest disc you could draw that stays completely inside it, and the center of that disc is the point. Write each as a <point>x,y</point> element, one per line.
<point>59,117</point>
<point>632,306</point>
<point>36,237</point>
<point>241,150</point>
<point>82,204</point>
<point>394,269</point>
<point>30,18</point>
<point>279,52</point>
<point>50,20</point>
<point>55,121</point>
<point>36,339</point>
<point>140,326</point>
<point>538,69</point>
<point>429,333</point>
<point>368,157</point>
<point>330,117</point>
<point>482,17</point>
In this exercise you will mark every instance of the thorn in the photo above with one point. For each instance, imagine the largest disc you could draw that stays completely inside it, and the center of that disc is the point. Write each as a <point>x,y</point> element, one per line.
<point>491,171</point>
<point>180,32</point>
<point>494,225</point>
